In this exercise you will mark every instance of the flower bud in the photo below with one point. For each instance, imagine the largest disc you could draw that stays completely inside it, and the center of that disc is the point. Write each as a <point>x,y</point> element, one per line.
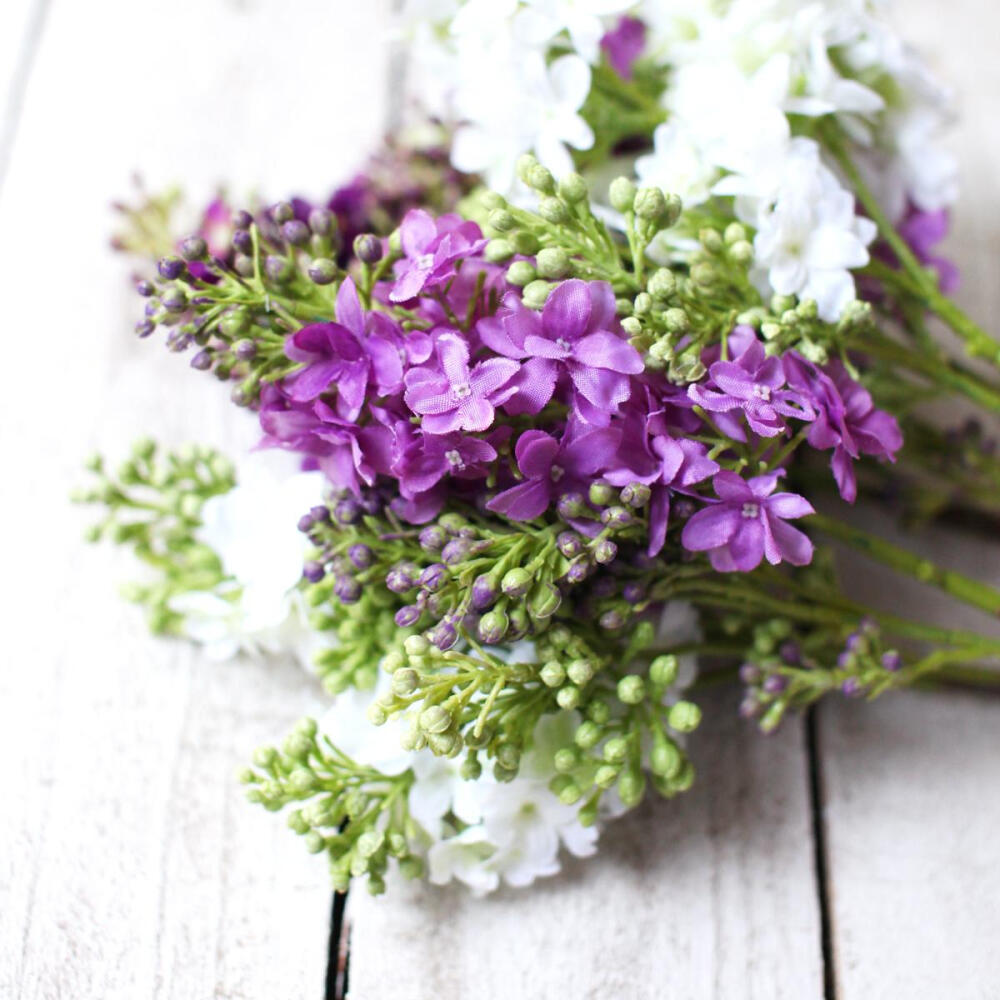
<point>631,788</point>
<point>643,304</point>
<point>471,769</point>
<point>368,248</point>
<point>568,697</point>
<point>544,601</point>
<point>565,759</point>
<point>508,756</point>
<point>323,271</point>
<point>891,661</point>
<point>540,178</point>
<point>526,162</point>
<point>665,759</point>
<point>497,251</point>
<point>662,284</point>
<point>553,210</point>
<point>553,263</point>
<point>587,735</point>
<point>405,681</point>
<point>663,670</point>
<point>635,495</point>
<point>711,240</point>
<point>502,221</point>
<point>622,194</point>
<point>601,494</point>
<point>571,505</point>
<point>516,582</point>
<point>676,321</point>
<point>295,232</point>
<point>536,293</point>
<point>651,205</point>
<point>570,544</point>
<point>416,645</point>
<point>552,674</point>
<point>435,719</point>
<point>580,672</point>
<point>742,252</point>
<point>521,273</point>
<point>448,744</point>
<point>573,189</point>
<point>434,577</point>
<point>684,717</point>
<point>493,626</point>
<point>605,551</point>
<point>632,326</point>
<point>615,750</point>
<point>631,689</point>
<point>606,776</point>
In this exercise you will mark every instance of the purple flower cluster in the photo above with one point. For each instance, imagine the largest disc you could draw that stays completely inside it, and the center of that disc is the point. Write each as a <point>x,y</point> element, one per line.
<point>451,387</point>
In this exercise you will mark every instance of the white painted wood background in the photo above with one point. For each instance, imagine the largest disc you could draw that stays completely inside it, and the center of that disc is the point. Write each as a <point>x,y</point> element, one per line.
<point>130,866</point>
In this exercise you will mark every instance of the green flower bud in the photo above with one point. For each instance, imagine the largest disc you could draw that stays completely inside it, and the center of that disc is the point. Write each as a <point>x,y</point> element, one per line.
<point>635,495</point>
<point>502,221</point>
<point>508,756</point>
<point>601,494</point>
<point>553,263</point>
<point>643,304</point>
<point>631,689</point>
<point>521,273</point>
<point>565,759</point>
<point>663,670</point>
<point>674,209</point>
<point>770,330</point>
<point>623,307</point>
<point>666,759</point>
<point>606,776</point>
<point>704,274</point>
<point>573,189</point>
<point>711,240</point>
<point>405,682</point>
<point>580,672</point>
<point>632,326</point>
<point>782,303</point>
<point>621,194</point>
<point>471,769</point>
<point>734,233</point>
<point>662,284</point>
<point>448,744</point>
<point>553,210</point>
<point>297,822</point>
<point>369,843</point>
<point>813,352</point>
<point>552,674</point>
<point>516,582</point>
<point>416,645</point>
<point>302,780</point>
<point>315,844</point>
<point>540,178</point>
<point>493,625</point>
<point>676,321</point>
<point>544,601</point>
<point>631,788</point>
<point>684,717</point>
<point>568,697</point>
<point>651,205</point>
<point>503,774</point>
<point>526,243</point>
<point>565,789</point>
<point>599,712</point>
<point>498,251</point>
<point>411,867</point>
<point>376,714</point>
<point>615,750</point>
<point>536,293</point>
<point>265,757</point>
<point>526,162</point>
<point>587,735</point>
<point>234,323</point>
<point>742,252</point>
<point>435,719</point>
<point>491,200</point>
<point>297,747</point>
<point>480,742</point>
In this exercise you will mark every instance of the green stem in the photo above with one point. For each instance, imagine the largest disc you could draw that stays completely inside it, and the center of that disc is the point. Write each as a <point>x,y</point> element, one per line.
<point>963,588</point>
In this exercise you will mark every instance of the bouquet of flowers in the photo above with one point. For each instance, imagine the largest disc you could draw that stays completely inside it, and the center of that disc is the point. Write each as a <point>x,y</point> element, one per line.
<point>540,450</point>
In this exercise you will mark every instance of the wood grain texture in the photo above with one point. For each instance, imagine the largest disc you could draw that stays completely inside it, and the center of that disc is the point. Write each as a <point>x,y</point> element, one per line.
<point>710,895</point>
<point>130,866</point>
<point>912,782</point>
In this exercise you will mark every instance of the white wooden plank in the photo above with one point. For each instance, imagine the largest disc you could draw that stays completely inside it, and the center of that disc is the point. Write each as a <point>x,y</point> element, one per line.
<point>709,895</point>
<point>21,24</point>
<point>129,865</point>
<point>912,782</point>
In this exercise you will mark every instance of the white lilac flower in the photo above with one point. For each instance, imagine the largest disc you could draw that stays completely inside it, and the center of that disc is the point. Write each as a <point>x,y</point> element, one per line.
<point>583,20</point>
<point>253,530</point>
<point>810,238</point>
<point>678,164</point>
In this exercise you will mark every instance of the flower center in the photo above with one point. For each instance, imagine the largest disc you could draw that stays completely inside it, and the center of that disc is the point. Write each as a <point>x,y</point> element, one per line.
<point>751,511</point>
<point>461,391</point>
<point>762,392</point>
<point>425,261</point>
<point>454,459</point>
<point>563,344</point>
<point>556,473</point>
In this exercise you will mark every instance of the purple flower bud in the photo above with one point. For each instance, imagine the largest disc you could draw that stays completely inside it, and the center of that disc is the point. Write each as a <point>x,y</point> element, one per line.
<point>322,271</point>
<point>145,327</point>
<point>635,495</point>
<point>242,242</point>
<point>193,248</point>
<point>852,687</point>
<point>616,517</point>
<point>437,605</point>
<point>241,395</point>
<point>434,577</point>
<point>443,635</point>
<point>578,571</point>
<point>242,219</point>
<point>174,300</point>
<point>408,615</point>
<point>296,232</point>
<point>634,593</point>
<point>749,673</point>
<point>322,221</point>
<point>399,580</point>
<point>612,620</point>
<point>372,503</point>
<point>892,661</point>
<point>306,522</point>
<point>493,626</point>
<point>855,642</point>
<point>347,511</point>
<point>484,593</point>
<point>313,571</point>
<point>320,514</point>
<point>171,268</point>
<point>202,361</point>
<point>571,505</point>
<point>790,653</point>
<point>570,544</point>
<point>455,551</point>
<point>845,661</point>
<point>347,589</point>
<point>361,556</point>
<point>605,551</point>
<point>749,707</point>
<point>245,350</point>
<point>145,288</point>
<point>433,538</point>
<point>368,248</point>
<point>775,683</point>
<point>276,268</point>
<point>282,211</point>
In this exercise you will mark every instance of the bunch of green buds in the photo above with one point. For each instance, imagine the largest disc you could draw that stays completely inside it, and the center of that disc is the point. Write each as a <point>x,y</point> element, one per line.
<point>357,815</point>
<point>153,504</point>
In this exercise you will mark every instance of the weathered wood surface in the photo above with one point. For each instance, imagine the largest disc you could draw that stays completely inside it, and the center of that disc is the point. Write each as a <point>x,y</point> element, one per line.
<point>130,866</point>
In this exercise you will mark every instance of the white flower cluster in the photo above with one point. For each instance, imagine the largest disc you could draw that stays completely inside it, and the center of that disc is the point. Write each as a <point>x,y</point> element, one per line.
<point>483,832</point>
<point>252,529</point>
<point>738,70</point>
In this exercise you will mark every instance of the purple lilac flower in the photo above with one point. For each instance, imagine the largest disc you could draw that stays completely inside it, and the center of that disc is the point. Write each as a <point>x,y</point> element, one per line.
<point>343,356</point>
<point>923,231</point>
<point>751,383</point>
<point>425,459</point>
<point>451,396</point>
<point>650,454</point>
<point>576,334</point>
<point>624,44</point>
<point>551,468</point>
<point>748,524</point>
<point>347,454</point>
<point>432,248</point>
<point>847,420</point>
